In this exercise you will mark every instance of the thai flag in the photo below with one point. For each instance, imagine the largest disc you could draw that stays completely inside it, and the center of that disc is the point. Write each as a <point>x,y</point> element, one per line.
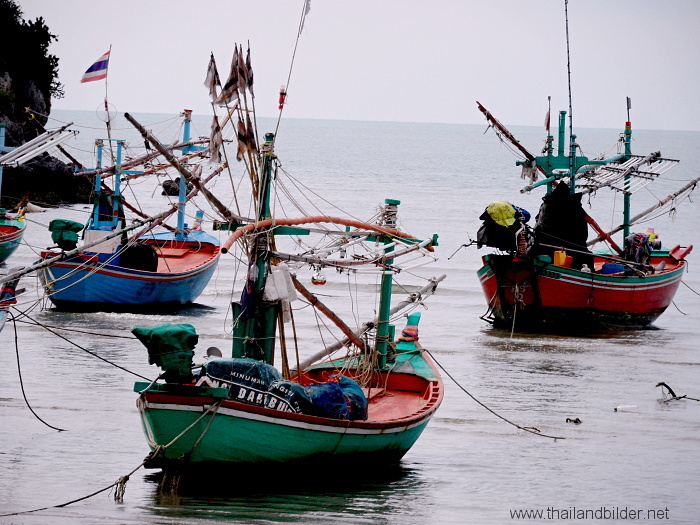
<point>98,70</point>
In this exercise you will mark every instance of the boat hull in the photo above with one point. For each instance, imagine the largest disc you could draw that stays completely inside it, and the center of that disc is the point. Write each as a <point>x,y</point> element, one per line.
<point>203,425</point>
<point>11,232</point>
<point>255,438</point>
<point>85,283</point>
<point>527,295</point>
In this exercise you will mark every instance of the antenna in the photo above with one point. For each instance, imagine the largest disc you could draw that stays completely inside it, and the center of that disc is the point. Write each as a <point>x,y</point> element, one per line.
<point>629,106</point>
<point>572,144</point>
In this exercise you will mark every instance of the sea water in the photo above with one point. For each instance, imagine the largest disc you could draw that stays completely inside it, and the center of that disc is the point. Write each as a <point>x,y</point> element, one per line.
<point>471,465</point>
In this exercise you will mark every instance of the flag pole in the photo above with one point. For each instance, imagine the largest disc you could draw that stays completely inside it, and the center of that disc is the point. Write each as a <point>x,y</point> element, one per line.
<point>304,12</point>
<point>108,120</point>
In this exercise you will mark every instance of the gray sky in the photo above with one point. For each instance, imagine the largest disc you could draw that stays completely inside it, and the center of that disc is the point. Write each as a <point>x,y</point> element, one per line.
<point>391,60</point>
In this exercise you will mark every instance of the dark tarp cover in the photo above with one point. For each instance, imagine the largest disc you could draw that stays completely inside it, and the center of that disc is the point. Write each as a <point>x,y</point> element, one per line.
<point>170,346</point>
<point>329,400</point>
<point>289,396</point>
<point>561,222</point>
<point>501,223</point>
<point>355,397</point>
<point>340,398</point>
<point>257,383</point>
<point>247,379</point>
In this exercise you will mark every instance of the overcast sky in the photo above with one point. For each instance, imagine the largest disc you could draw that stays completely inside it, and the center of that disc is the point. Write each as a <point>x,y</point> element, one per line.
<point>391,60</point>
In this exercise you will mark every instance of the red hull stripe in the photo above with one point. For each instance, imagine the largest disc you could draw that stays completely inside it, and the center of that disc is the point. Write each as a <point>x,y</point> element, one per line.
<point>135,274</point>
<point>300,420</point>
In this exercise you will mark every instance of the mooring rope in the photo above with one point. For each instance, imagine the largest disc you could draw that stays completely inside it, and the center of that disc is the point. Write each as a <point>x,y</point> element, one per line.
<point>689,288</point>
<point>76,330</point>
<point>21,383</point>
<point>45,327</point>
<point>120,484</point>
<point>532,430</point>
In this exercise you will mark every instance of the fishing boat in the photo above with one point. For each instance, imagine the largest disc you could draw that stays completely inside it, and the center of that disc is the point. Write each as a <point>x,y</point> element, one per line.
<point>368,406</point>
<point>147,272</point>
<point>11,226</point>
<point>546,276</point>
<point>11,232</point>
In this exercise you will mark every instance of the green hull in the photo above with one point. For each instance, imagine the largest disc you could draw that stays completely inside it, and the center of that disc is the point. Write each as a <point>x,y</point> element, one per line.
<point>205,426</point>
<point>246,437</point>
<point>11,232</point>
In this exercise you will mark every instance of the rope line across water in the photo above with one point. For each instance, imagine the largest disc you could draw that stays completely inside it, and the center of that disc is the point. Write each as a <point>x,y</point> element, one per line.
<point>531,430</point>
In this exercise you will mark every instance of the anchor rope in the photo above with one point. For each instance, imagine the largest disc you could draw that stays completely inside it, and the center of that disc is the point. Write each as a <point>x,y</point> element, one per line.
<point>21,382</point>
<point>120,484</point>
<point>531,430</point>
<point>76,330</point>
<point>689,288</point>
<point>45,327</point>
<point>206,429</point>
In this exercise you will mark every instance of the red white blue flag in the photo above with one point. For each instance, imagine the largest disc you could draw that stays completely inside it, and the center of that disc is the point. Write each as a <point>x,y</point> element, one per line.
<point>98,70</point>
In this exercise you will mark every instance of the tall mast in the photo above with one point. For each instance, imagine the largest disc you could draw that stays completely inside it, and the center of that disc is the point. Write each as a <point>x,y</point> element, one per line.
<point>260,247</point>
<point>100,219</point>
<point>627,198</point>
<point>108,120</point>
<point>572,137</point>
<point>254,319</point>
<point>182,193</point>
<point>383,330</point>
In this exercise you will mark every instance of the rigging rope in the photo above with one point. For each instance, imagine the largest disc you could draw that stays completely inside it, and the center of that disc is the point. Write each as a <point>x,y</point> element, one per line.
<point>118,495</point>
<point>84,349</point>
<point>304,12</point>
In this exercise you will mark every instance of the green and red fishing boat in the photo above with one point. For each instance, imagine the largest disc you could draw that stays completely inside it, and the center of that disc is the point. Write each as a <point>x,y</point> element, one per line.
<point>546,276</point>
<point>11,226</point>
<point>11,233</point>
<point>269,402</point>
<point>241,410</point>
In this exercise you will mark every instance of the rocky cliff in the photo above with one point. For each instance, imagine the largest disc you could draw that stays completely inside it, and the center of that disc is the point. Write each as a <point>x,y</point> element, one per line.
<point>44,180</point>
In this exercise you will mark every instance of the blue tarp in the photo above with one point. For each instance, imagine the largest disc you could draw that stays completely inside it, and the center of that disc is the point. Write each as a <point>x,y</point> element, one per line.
<point>257,383</point>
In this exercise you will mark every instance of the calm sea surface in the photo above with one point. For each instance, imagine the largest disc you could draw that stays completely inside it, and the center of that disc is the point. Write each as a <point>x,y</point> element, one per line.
<point>469,466</point>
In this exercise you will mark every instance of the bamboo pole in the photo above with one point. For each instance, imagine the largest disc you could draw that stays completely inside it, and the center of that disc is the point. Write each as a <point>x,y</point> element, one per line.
<point>646,212</point>
<point>218,205</point>
<point>70,253</point>
<point>423,293</point>
<point>529,156</point>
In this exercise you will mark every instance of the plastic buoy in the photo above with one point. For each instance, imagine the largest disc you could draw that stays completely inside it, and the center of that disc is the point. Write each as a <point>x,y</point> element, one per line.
<point>283,96</point>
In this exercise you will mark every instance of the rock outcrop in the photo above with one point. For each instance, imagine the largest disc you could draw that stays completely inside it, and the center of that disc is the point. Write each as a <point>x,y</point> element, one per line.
<point>43,180</point>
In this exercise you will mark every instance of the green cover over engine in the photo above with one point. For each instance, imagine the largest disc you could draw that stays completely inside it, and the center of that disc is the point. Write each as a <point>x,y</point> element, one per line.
<point>170,346</point>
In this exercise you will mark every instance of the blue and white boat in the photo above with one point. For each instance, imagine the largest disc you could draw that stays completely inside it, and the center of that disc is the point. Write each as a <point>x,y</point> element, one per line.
<point>150,273</point>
